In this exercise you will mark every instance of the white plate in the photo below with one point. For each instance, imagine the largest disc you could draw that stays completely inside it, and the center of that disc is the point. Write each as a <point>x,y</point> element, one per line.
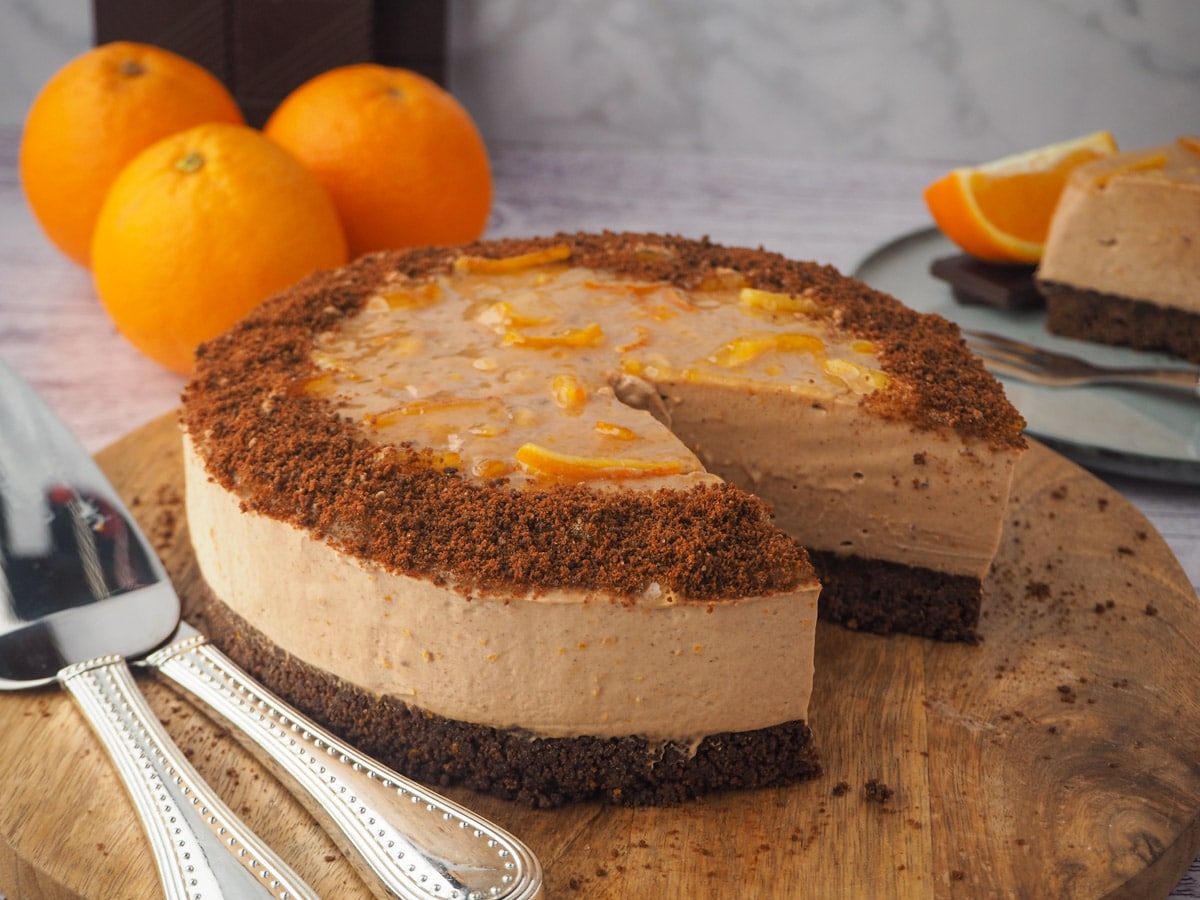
<point>1110,429</point>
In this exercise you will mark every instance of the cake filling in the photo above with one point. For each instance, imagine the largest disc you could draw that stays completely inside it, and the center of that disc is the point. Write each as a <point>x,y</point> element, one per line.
<point>502,369</point>
<point>585,664</point>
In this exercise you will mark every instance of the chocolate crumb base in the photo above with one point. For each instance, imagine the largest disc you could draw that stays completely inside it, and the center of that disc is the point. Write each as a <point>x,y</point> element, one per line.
<point>513,765</point>
<point>1122,321</point>
<point>885,597</point>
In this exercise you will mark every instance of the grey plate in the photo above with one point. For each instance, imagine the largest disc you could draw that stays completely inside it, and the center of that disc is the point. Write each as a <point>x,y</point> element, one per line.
<point>1108,429</point>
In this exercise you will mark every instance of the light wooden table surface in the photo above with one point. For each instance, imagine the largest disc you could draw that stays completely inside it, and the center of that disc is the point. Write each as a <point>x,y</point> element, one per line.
<point>54,332</point>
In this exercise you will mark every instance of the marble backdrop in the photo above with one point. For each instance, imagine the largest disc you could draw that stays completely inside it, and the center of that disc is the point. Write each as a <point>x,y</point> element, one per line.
<point>855,79</point>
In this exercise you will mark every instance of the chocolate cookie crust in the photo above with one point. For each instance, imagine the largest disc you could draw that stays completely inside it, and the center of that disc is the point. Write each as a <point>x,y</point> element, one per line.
<point>289,456</point>
<point>1110,319</point>
<point>861,594</point>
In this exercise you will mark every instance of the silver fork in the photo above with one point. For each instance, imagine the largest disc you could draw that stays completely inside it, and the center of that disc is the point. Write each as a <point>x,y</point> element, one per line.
<point>1026,362</point>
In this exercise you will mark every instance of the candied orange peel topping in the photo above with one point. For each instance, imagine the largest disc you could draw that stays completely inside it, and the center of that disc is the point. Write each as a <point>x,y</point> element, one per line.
<point>587,336</point>
<point>468,389</point>
<point>429,407</point>
<point>544,461</point>
<point>1145,164</point>
<point>569,393</point>
<point>503,313</point>
<point>413,296</point>
<point>772,302</point>
<point>482,265</point>
<point>611,429</point>
<point>743,349</point>
<point>859,378</point>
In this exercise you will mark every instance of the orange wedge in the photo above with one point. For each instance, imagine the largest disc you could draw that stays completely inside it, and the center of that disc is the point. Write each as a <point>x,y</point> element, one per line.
<point>1000,211</point>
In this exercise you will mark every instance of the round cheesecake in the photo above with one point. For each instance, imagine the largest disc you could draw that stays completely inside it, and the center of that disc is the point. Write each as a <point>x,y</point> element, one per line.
<point>554,518</point>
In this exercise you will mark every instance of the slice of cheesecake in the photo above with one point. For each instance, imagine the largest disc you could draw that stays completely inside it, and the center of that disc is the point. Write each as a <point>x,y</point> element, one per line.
<point>1122,259</point>
<point>530,515</point>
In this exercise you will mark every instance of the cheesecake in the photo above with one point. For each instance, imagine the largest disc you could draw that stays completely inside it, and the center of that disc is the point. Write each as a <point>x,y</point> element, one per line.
<point>555,518</point>
<point>1122,258</point>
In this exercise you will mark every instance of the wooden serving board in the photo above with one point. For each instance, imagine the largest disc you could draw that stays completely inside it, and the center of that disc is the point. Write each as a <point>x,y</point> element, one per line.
<point>1058,758</point>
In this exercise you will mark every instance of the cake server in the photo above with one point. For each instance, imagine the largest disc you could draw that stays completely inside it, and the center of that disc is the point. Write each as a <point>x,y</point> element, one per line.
<point>80,592</point>
<point>405,840</point>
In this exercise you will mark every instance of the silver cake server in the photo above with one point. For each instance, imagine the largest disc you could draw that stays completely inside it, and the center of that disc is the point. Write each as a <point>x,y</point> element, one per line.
<point>80,591</point>
<point>405,841</point>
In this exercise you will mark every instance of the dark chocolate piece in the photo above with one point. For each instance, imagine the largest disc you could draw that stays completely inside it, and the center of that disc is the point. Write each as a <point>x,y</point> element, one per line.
<point>979,283</point>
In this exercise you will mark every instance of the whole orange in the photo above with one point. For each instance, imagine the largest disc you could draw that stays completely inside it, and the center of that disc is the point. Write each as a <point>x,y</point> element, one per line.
<point>400,155</point>
<point>97,113</point>
<point>201,227</point>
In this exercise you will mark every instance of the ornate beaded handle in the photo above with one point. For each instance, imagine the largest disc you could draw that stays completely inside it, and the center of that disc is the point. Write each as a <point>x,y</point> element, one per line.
<point>415,843</point>
<point>203,851</point>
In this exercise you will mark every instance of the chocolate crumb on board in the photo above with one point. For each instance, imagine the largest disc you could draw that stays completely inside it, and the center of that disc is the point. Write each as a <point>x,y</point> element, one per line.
<point>841,788</point>
<point>1037,590</point>
<point>877,792</point>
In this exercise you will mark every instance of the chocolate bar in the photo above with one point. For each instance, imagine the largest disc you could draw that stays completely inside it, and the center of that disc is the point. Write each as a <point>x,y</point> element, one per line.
<point>979,283</point>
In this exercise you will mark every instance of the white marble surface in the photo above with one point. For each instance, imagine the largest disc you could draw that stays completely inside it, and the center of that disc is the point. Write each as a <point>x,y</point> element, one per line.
<point>827,79</point>
<point>866,79</point>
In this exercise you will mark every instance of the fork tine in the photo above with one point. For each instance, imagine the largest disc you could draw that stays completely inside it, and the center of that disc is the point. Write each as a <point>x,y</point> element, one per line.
<point>1015,370</point>
<point>1000,353</point>
<point>1016,359</point>
<point>1000,340</point>
<point>1020,352</point>
<point>1012,346</point>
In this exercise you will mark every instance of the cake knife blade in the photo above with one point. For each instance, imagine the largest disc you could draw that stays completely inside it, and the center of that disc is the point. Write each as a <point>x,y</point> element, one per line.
<point>405,840</point>
<point>81,591</point>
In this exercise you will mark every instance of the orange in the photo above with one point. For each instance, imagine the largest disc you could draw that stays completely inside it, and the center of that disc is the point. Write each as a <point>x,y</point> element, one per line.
<point>201,227</point>
<point>93,116</point>
<point>1000,211</point>
<point>401,157</point>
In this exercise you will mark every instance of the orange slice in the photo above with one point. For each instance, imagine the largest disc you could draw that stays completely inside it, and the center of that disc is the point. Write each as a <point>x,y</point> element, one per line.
<point>1000,211</point>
